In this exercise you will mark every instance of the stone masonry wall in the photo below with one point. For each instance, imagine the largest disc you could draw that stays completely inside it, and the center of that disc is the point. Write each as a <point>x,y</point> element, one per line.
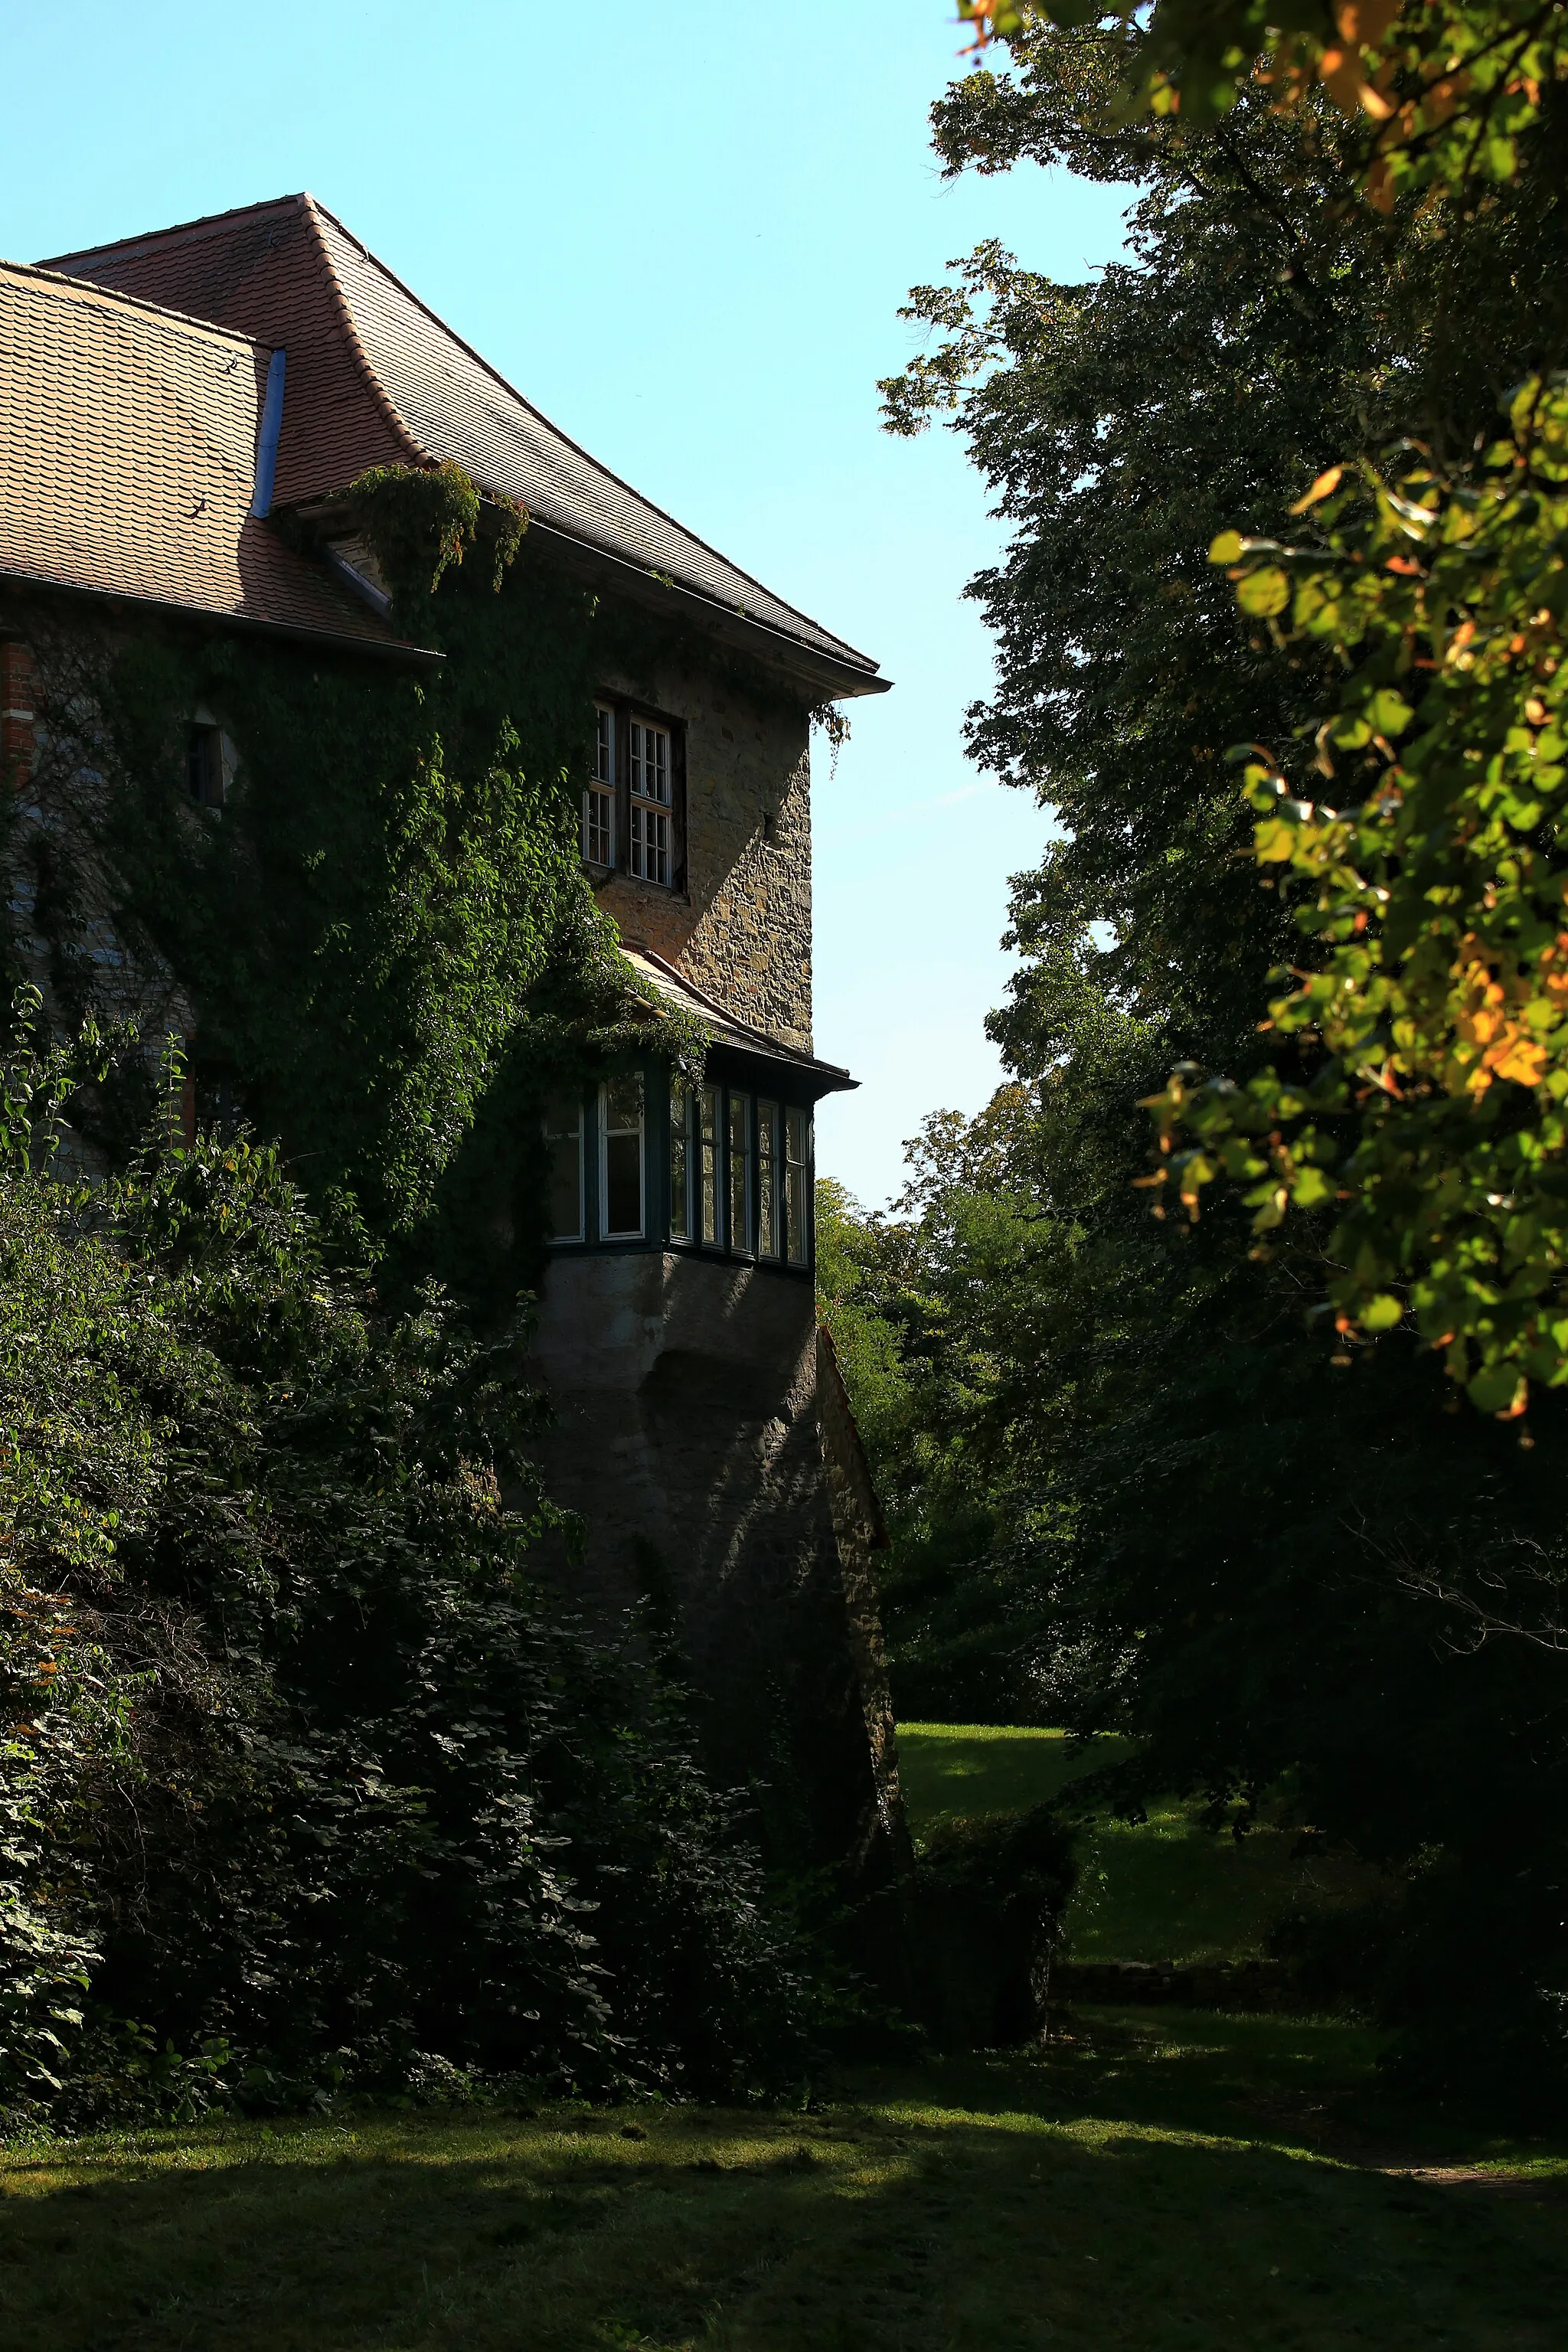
<point>741,927</point>
<point>55,769</point>
<point>685,1395</point>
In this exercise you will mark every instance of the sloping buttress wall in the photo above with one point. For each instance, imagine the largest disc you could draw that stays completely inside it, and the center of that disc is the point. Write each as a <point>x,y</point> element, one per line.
<point>687,1434</point>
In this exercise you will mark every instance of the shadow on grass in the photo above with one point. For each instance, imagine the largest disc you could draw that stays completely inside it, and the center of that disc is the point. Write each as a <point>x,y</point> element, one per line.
<point>1115,2194</point>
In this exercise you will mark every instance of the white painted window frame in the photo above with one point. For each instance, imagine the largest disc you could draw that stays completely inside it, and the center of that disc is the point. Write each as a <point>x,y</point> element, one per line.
<point>628,1234</point>
<point>599,794</point>
<point>652,811</point>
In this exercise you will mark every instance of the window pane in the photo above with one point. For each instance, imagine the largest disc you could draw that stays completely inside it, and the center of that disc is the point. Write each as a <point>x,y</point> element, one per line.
<point>564,1133</point>
<point>599,826</point>
<point>679,1161</point>
<point>797,1154</point>
<point>767,1179</point>
<point>621,1162</point>
<point>650,762</point>
<point>648,851</point>
<point>708,1153</point>
<point>740,1171</point>
<point>599,800</point>
<point>203,766</point>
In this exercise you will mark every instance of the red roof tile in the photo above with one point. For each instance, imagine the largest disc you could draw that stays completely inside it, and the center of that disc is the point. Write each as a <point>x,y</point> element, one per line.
<point>128,438</point>
<point>375,378</point>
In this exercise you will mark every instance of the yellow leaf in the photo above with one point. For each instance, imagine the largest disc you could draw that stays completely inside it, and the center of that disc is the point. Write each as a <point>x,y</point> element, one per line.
<point>1522,1060</point>
<point>1322,488</point>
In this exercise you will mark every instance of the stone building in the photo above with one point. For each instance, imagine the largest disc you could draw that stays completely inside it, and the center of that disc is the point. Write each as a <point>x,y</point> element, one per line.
<point>181,416</point>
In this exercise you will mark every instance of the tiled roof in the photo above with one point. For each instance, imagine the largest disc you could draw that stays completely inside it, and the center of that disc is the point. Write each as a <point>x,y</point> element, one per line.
<point>128,439</point>
<point>725,1030</point>
<point>374,378</point>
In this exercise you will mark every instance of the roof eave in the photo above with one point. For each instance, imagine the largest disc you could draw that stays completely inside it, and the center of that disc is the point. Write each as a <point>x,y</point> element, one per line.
<point>730,1035</point>
<point>247,624</point>
<point>827,679</point>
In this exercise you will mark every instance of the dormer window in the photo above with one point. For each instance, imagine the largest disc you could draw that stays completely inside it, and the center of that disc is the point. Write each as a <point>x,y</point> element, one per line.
<point>632,803</point>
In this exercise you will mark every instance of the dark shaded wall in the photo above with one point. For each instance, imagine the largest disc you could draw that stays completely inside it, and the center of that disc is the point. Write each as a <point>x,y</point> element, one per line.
<point>687,1435</point>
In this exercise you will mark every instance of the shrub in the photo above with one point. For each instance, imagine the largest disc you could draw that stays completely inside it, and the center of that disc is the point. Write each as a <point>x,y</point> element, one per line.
<point>302,1765</point>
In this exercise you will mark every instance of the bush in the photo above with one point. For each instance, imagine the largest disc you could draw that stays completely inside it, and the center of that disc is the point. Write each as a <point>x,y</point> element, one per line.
<point>990,1895</point>
<point>302,1765</point>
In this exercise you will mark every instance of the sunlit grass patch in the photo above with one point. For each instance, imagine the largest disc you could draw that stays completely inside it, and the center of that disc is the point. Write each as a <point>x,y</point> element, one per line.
<point>1172,2180</point>
<point>1165,1888</point>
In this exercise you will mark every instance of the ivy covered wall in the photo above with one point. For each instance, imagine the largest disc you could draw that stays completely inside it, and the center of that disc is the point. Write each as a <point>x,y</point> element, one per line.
<point>383,947</point>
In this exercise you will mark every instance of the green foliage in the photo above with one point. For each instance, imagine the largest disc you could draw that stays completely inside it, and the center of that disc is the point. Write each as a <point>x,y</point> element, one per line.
<point>1444,93</point>
<point>907,1299</point>
<point>1171,1885</point>
<point>1420,1091</point>
<point>1270,1572</point>
<point>394,874</point>
<point>419,520</point>
<point>383,948</point>
<point>299,1759</point>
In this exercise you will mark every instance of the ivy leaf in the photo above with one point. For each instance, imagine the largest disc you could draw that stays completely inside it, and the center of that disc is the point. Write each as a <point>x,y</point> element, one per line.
<point>1264,593</point>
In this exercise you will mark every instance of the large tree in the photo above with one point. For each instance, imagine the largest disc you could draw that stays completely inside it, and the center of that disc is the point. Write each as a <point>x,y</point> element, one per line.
<point>1270,1565</point>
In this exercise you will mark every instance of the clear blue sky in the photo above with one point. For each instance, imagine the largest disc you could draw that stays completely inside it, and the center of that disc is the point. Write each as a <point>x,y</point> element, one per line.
<point>685,234</point>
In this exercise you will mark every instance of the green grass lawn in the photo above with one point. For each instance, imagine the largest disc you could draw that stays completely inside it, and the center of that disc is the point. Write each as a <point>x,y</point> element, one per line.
<point>1166,1890</point>
<point>1185,2182</point>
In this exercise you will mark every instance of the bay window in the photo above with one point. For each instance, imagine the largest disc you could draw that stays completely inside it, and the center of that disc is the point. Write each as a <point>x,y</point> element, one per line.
<point>622,1190</point>
<point>708,1167</point>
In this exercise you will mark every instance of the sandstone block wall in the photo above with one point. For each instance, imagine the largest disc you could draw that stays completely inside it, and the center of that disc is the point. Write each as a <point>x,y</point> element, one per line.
<point>741,927</point>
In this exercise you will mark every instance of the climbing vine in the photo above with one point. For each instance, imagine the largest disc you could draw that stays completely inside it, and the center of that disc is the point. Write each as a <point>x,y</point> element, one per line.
<point>420,518</point>
<point>383,948</point>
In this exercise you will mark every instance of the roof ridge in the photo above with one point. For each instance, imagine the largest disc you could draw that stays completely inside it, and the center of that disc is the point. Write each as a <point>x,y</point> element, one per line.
<point>378,391</point>
<point>131,245</point>
<point>586,455</point>
<point>116,296</point>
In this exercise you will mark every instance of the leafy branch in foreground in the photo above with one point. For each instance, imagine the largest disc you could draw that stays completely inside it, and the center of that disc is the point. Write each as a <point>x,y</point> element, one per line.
<point>1423,1091</point>
<point>1446,88</point>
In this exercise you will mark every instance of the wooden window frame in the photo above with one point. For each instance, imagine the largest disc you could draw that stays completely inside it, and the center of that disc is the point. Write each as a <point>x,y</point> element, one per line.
<point>623,711</point>
<point>639,1232</point>
<point>595,789</point>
